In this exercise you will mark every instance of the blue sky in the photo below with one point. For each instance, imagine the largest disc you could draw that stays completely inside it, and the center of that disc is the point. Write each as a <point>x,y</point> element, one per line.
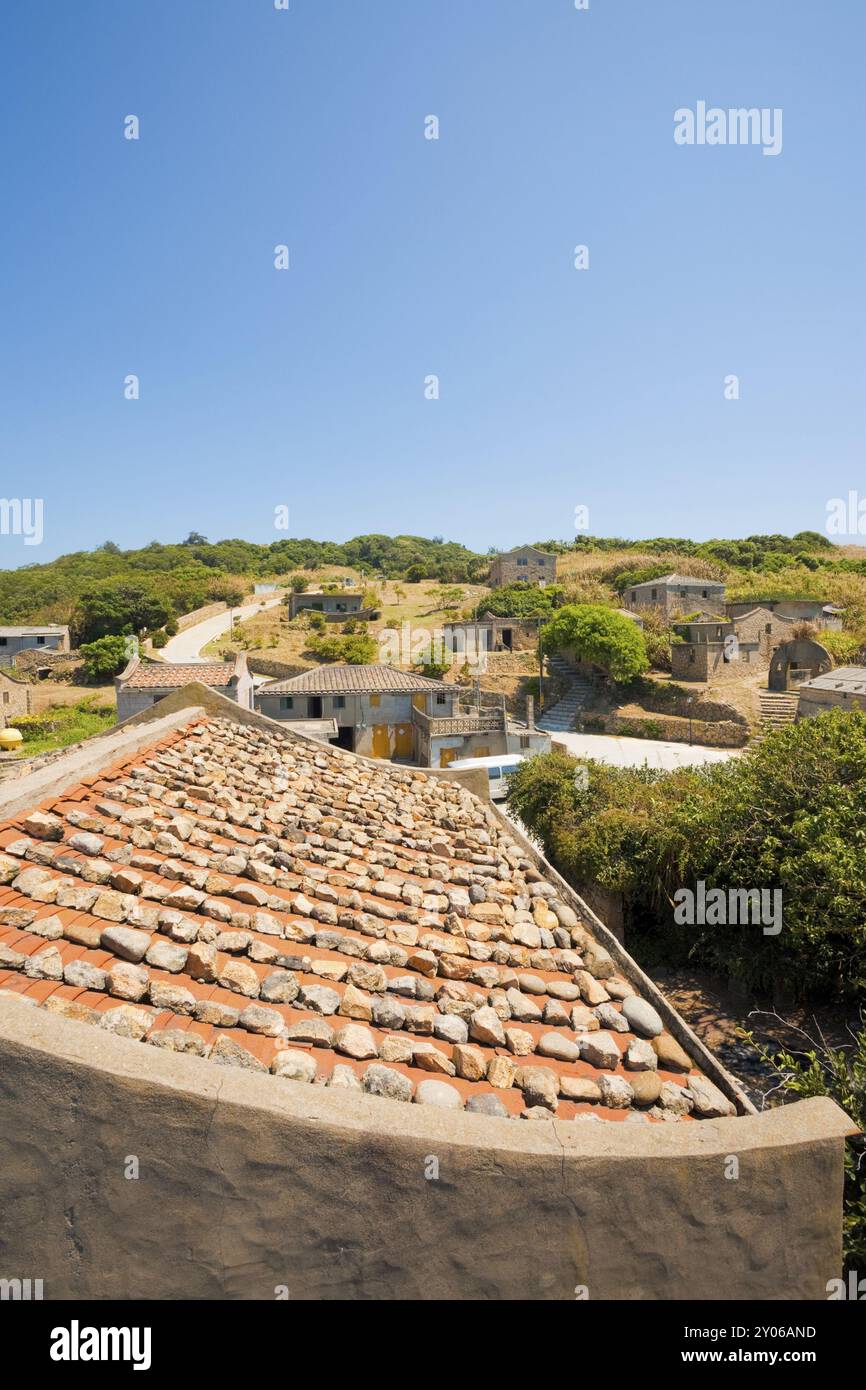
<point>409,257</point>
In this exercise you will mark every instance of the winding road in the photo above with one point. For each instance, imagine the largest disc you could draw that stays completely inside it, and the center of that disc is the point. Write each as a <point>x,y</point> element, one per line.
<point>187,646</point>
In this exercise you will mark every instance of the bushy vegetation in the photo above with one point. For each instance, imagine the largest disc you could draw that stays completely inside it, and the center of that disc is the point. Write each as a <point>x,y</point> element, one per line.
<point>356,650</point>
<point>104,658</point>
<point>61,726</point>
<point>110,590</point>
<point>521,601</point>
<point>599,635</point>
<point>791,815</point>
<point>817,1069</point>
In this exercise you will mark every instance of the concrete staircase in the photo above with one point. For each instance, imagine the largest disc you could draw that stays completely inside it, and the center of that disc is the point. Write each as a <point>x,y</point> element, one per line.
<point>778,709</point>
<point>561,717</point>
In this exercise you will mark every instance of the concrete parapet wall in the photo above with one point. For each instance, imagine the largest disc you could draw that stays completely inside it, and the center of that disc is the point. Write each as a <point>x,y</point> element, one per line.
<point>247,1183</point>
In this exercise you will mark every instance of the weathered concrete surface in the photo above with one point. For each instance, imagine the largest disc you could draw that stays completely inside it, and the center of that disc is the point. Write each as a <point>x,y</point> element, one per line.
<point>247,1183</point>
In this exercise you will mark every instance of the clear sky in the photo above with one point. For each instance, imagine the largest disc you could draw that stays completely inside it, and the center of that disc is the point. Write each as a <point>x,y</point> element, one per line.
<point>262,388</point>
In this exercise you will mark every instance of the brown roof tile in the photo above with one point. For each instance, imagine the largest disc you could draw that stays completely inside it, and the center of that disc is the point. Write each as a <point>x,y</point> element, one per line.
<point>383,900</point>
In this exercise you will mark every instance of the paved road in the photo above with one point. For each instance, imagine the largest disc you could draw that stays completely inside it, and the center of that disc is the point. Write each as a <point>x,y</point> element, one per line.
<point>640,752</point>
<point>186,646</point>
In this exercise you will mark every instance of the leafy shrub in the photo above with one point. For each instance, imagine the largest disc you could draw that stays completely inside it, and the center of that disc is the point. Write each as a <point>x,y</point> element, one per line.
<point>104,658</point>
<point>600,635</point>
<point>838,1072</point>
<point>160,638</point>
<point>790,815</point>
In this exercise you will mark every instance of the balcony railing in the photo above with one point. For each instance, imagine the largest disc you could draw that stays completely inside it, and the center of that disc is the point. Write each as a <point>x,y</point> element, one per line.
<point>464,719</point>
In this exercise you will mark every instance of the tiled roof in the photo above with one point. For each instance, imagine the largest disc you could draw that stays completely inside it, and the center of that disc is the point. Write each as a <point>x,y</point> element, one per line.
<point>166,675</point>
<point>49,629</point>
<point>680,579</point>
<point>236,892</point>
<point>326,680</point>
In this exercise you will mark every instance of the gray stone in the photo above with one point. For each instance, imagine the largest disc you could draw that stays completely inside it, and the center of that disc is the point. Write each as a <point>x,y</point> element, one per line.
<point>294,1065</point>
<point>320,999</point>
<point>642,1017</point>
<point>599,1049</point>
<point>558,1046</point>
<point>438,1094</point>
<point>127,942</point>
<point>85,976</point>
<point>384,1081</point>
<point>486,1104</point>
<point>163,955</point>
<point>259,1020</point>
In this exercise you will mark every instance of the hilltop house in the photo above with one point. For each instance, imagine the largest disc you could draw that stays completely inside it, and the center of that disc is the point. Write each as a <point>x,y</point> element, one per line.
<point>52,637</point>
<point>336,607</point>
<point>383,712</point>
<point>143,683</point>
<point>677,593</point>
<point>525,565</point>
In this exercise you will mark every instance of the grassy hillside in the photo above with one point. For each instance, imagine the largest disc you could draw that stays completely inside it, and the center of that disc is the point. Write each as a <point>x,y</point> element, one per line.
<point>111,590</point>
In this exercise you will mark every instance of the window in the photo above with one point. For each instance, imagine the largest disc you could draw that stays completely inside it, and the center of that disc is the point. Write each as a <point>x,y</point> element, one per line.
<point>286,702</point>
<point>441,699</point>
<point>522,560</point>
<point>5,697</point>
<point>4,641</point>
<point>375,701</point>
<point>654,593</point>
<point>691,656</point>
<point>494,774</point>
<point>339,702</point>
<point>40,641</point>
<point>703,593</point>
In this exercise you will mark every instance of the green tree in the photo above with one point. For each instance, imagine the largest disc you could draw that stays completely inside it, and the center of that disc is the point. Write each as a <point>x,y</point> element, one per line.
<point>600,635</point>
<point>105,657</point>
<point>128,606</point>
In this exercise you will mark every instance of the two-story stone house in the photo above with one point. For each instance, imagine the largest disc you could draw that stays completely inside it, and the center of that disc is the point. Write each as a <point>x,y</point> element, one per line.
<point>525,565</point>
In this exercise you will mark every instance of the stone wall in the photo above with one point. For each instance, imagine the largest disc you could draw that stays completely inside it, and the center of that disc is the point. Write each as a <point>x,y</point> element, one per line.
<point>720,733</point>
<point>245,1187</point>
<point>200,615</point>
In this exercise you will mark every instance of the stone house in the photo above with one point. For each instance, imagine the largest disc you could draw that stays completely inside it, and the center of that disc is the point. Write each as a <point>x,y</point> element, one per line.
<point>14,698</point>
<point>52,637</point>
<point>817,611</point>
<point>383,712</point>
<point>288,1040</point>
<point>844,688</point>
<point>474,637</point>
<point>525,565</point>
<point>711,650</point>
<point>677,593</point>
<point>144,683</point>
<point>336,607</point>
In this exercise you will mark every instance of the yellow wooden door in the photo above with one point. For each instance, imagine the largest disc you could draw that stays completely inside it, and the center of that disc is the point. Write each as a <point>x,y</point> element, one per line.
<point>403,741</point>
<point>381,741</point>
<point>479,753</point>
<point>447,755</point>
<point>419,701</point>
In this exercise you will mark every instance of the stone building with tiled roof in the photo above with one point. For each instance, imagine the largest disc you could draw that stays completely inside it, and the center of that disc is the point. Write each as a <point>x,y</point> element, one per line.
<point>142,684</point>
<point>253,959</point>
<point>676,593</point>
<point>381,711</point>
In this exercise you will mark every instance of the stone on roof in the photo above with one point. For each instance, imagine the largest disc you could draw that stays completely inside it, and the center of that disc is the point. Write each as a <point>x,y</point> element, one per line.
<point>259,901</point>
<point>168,675</point>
